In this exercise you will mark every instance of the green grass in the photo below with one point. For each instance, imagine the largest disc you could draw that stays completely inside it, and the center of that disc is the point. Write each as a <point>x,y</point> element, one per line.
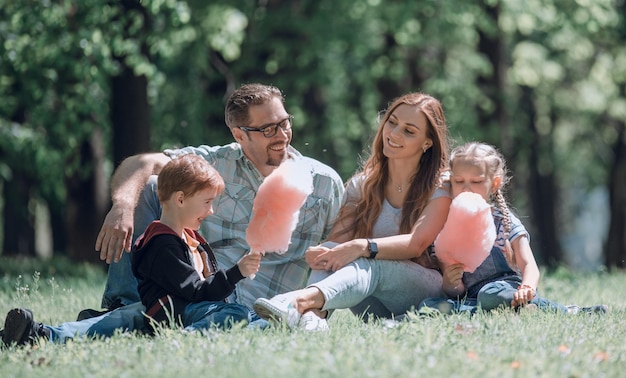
<point>500,344</point>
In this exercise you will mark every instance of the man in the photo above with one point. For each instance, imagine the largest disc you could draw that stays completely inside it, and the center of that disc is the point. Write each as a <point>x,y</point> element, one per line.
<point>262,130</point>
<point>261,127</point>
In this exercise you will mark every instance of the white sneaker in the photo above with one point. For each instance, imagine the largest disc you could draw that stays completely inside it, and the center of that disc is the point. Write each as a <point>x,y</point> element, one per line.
<point>279,308</point>
<point>598,309</point>
<point>572,309</point>
<point>310,322</point>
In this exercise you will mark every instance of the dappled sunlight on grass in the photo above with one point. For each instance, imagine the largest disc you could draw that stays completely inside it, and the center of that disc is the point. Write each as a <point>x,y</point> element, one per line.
<point>501,343</point>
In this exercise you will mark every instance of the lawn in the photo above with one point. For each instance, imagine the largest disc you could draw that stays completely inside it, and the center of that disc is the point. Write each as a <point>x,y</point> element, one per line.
<point>499,344</point>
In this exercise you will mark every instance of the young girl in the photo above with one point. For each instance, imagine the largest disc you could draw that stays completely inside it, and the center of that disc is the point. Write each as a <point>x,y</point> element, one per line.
<point>509,276</point>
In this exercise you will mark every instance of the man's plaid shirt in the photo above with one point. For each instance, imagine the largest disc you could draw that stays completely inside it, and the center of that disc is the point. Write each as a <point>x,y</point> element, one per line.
<point>225,230</point>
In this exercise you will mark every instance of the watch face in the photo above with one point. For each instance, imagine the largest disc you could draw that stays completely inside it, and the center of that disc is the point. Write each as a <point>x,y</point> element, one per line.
<point>373,248</point>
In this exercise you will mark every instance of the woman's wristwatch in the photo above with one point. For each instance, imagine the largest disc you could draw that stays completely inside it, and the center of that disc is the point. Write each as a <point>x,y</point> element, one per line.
<point>373,248</point>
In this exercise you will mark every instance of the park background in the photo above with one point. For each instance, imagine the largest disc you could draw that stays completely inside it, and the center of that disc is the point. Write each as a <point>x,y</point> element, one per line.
<point>84,84</point>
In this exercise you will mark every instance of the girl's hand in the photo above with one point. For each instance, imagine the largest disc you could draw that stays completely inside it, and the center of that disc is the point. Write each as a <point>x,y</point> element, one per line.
<point>523,295</point>
<point>249,264</point>
<point>453,278</point>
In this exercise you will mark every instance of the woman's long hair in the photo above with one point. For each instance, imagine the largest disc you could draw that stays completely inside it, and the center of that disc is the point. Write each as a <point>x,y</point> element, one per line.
<point>365,211</point>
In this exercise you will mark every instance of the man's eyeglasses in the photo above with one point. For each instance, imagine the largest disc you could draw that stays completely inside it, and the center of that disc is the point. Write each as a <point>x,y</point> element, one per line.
<point>271,129</point>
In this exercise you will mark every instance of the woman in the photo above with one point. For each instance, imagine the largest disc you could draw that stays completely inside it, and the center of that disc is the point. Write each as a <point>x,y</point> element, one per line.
<point>393,210</point>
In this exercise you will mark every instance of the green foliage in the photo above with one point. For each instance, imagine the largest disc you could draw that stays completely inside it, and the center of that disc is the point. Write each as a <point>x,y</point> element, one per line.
<point>502,344</point>
<point>562,50</point>
<point>338,62</point>
<point>52,62</point>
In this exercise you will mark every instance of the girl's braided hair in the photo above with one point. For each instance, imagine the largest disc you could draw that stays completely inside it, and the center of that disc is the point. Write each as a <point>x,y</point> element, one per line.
<point>496,167</point>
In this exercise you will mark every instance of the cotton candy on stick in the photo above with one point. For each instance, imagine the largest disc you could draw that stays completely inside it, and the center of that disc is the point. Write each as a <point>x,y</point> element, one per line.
<point>468,234</point>
<point>276,207</point>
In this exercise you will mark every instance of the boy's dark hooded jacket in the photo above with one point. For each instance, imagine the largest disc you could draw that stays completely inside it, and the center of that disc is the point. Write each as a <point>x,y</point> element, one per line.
<point>162,263</point>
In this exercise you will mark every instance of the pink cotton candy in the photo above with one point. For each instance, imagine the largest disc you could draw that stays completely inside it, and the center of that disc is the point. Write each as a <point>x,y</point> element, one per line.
<point>468,234</point>
<point>276,207</point>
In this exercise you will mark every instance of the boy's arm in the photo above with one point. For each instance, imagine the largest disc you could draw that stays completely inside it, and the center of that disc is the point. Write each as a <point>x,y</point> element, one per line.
<point>166,267</point>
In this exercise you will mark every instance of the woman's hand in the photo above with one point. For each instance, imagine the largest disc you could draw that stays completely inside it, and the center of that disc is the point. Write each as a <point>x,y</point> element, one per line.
<point>333,259</point>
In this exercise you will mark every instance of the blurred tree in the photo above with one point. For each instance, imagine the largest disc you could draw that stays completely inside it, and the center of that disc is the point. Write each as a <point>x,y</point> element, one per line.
<point>130,114</point>
<point>44,91</point>
<point>58,60</point>
<point>615,256</point>
<point>85,84</point>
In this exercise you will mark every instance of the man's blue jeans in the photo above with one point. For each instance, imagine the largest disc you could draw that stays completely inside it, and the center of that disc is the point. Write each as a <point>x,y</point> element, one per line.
<point>121,283</point>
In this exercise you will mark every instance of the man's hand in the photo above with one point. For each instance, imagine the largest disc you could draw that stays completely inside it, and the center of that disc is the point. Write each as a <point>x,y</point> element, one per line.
<point>312,257</point>
<point>333,259</point>
<point>116,234</point>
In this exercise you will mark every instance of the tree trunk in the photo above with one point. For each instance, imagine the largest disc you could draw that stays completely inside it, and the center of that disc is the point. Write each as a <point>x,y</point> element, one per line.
<point>130,115</point>
<point>19,223</point>
<point>86,201</point>
<point>615,253</point>
<point>17,219</point>
<point>542,189</point>
<point>494,122</point>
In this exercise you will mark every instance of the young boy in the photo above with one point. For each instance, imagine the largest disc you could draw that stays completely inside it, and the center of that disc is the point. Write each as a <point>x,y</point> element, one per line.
<point>177,271</point>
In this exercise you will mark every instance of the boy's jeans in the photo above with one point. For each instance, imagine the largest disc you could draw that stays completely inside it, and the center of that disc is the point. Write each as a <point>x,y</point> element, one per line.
<point>125,319</point>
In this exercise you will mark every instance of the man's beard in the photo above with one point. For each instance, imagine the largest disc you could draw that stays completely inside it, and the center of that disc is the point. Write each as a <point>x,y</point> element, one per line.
<point>275,162</point>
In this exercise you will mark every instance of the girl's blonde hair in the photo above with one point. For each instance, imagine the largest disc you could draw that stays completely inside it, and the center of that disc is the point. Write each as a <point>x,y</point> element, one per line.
<point>365,211</point>
<point>496,167</point>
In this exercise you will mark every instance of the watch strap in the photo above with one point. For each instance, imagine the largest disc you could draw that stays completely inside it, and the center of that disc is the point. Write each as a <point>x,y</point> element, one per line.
<point>372,247</point>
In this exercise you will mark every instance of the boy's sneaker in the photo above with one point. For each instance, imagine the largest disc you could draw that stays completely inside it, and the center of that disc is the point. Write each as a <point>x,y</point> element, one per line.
<point>91,313</point>
<point>20,328</point>
<point>310,322</point>
<point>279,308</point>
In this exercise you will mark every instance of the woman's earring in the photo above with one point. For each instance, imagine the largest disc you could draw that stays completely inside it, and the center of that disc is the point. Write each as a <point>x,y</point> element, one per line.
<point>425,149</point>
